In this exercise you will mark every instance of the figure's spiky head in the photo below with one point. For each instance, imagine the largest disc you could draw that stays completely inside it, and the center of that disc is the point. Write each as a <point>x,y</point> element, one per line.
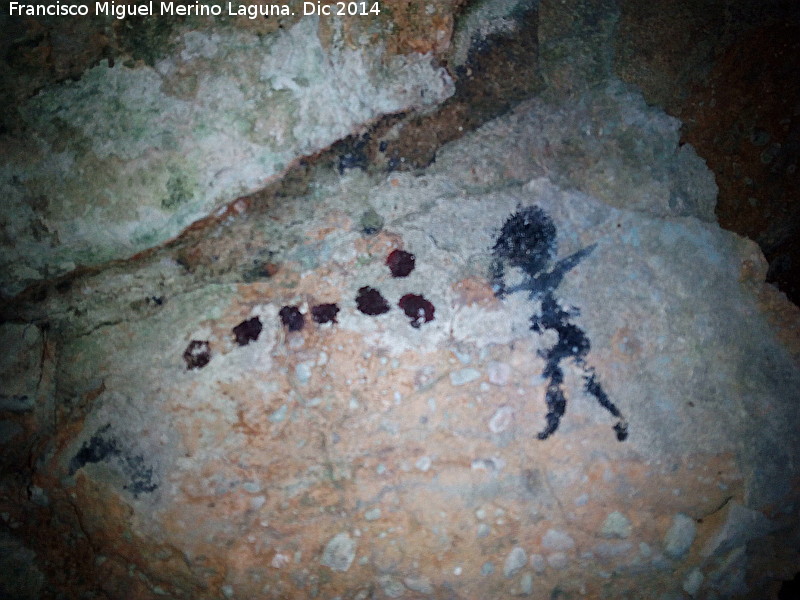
<point>527,240</point>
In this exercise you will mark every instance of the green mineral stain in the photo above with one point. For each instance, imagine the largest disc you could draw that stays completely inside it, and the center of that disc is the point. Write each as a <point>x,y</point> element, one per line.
<point>371,222</point>
<point>179,191</point>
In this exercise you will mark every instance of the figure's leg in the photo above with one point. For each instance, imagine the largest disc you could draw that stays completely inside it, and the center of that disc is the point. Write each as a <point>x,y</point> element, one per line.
<point>596,390</point>
<point>556,402</point>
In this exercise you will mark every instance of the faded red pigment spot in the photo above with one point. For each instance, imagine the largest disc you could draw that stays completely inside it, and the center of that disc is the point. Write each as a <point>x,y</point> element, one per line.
<point>324,313</point>
<point>197,354</point>
<point>292,318</point>
<point>400,263</point>
<point>417,309</point>
<point>370,301</point>
<point>247,331</point>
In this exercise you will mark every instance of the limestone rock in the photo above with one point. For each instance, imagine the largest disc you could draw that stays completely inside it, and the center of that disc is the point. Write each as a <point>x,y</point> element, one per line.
<point>741,525</point>
<point>125,158</point>
<point>256,471</point>
<point>693,581</point>
<point>557,540</point>
<point>616,525</point>
<point>19,366</point>
<point>21,578</point>
<point>515,560</point>
<point>680,536</point>
<point>339,552</point>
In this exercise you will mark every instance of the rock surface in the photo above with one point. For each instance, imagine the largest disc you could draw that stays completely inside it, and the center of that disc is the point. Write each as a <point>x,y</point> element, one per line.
<point>241,472</point>
<point>272,407</point>
<point>125,158</point>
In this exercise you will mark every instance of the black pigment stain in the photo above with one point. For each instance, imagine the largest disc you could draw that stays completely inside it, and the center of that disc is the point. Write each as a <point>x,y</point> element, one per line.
<point>400,263</point>
<point>292,318</point>
<point>370,301</point>
<point>324,313</point>
<point>197,354</point>
<point>354,155</point>
<point>247,331</point>
<point>98,448</point>
<point>417,308</point>
<point>104,447</point>
<point>528,241</point>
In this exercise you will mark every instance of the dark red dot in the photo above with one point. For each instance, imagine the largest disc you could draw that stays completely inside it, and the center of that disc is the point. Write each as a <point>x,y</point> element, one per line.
<point>370,301</point>
<point>292,318</point>
<point>324,313</point>
<point>417,308</point>
<point>197,354</point>
<point>400,263</point>
<point>247,331</point>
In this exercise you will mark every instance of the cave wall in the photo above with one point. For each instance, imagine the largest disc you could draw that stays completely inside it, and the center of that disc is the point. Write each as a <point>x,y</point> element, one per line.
<point>226,377</point>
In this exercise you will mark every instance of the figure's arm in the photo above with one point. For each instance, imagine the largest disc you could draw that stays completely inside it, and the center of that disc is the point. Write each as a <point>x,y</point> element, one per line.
<point>541,283</point>
<point>498,279</point>
<point>570,262</point>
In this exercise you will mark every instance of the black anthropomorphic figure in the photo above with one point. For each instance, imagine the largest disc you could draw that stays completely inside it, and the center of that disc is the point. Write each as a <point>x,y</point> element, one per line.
<point>528,242</point>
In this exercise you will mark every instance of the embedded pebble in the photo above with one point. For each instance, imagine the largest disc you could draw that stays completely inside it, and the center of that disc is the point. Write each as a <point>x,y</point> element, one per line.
<point>464,376</point>
<point>279,560</point>
<point>515,560</point>
<point>558,560</point>
<point>339,552</point>
<point>616,525</point>
<point>302,372</point>
<point>392,586</point>
<point>463,357</point>
<point>421,585</point>
<point>680,536</point>
<point>693,581</point>
<point>499,372</point>
<point>487,569</point>
<point>488,464</point>
<point>373,514</point>
<point>557,540</point>
<point>484,530</point>
<point>526,584</point>
<point>423,463</point>
<point>279,415</point>
<point>611,549</point>
<point>538,563</point>
<point>501,419</point>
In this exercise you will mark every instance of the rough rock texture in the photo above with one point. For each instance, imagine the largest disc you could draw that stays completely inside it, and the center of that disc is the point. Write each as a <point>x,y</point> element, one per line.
<point>727,69</point>
<point>276,405</point>
<point>368,456</point>
<point>127,157</point>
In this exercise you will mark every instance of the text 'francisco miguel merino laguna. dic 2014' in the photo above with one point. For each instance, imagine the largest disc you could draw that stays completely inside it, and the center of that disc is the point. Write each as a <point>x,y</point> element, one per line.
<point>180,9</point>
